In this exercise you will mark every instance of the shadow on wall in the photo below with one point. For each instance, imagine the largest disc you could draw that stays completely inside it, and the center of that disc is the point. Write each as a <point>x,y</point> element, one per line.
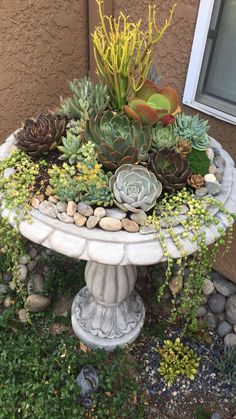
<point>41,47</point>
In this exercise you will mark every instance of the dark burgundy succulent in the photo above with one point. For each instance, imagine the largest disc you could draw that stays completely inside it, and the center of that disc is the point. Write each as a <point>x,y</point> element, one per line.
<point>41,134</point>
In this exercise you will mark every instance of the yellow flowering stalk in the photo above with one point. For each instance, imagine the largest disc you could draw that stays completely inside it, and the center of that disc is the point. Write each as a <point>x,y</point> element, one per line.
<point>123,51</point>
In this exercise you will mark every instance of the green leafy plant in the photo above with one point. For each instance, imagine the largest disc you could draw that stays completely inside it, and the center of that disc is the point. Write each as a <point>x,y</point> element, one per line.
<point>163,137</point>
<point>152,104</point>
<point>123,52</point>
<point>198,162</point>
<point>177,359</point>
<point>202,413</point>
<point>88,99</point>
<point>194,129</point>
<point>226,365</point>
<point>117,140</point>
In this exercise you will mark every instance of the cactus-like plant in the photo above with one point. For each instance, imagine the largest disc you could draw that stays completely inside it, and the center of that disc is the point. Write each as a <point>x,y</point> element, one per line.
<point>152,104</point>
<point>194,129</point>
<point>163,137</point>
<point>170,168</point>
<point>177,360</point>
<point>135,188</point>
<point>117,139</point>
<point>88,99</point>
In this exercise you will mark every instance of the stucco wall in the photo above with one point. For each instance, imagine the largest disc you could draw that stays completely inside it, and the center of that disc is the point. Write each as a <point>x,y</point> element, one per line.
<point>42,45</point>
<point>172,58</point>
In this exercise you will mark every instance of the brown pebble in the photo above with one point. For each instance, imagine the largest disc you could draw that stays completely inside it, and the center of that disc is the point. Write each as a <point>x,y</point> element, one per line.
<point>35,203</point>
<point>130,226</point>
<point>79,219</point>
<point>53,199</point>
<point>110,224</point>
<point>71,208</point>
<point>92,221</point>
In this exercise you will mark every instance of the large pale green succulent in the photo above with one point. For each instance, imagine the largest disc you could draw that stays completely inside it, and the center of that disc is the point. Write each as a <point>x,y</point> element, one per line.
<point>117,139</point>
<point>88,99</point>
<point>163,136</point>
<point>135,188</point>
<point>194,129</point>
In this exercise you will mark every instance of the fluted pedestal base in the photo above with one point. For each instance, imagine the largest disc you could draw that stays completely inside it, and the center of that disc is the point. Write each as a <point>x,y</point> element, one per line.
<point>108,312</point>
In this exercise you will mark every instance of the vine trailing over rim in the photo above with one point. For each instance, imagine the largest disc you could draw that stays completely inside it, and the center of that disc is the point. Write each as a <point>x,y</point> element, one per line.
<point>198,265</point>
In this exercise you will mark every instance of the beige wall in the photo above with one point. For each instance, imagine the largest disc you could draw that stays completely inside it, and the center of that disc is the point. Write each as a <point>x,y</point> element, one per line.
<point>43,43</point>
<point>172,58</point>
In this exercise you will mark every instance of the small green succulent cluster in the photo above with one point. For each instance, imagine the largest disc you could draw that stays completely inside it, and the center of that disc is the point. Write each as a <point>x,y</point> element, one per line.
<point>177,360</point>
<point>198,162</point>
<point>226,365</point>
<point>163,137</point>
<point>194,129</point>
<point>88,99</point>
<point>74,150</point>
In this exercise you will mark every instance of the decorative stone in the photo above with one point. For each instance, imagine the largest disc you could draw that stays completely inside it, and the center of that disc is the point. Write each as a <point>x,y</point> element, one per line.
<point>35,203</point>
<point>100,212</point>
<point>212,169</point>
<point>231,309</point>
<point>22,314</point>
<point>8,172</point>
<point>53,199</point>
<point>79,219</point>
<point>208,287</point>
<point>3,289</point>
<point>230,339</point>
<point>71,208</point>
<point>31,265</point>
<point>23,271</point>
<point>201,192</point>
<point>219,162</point>
<point>139,217</point>
<point>130,225</point>
<point>62,305</point>
<point>24,259</point>
<point>148,229</point>
<point>216,416</point>
<point>62,206</point>
<point>62,216</point>
<point>116,213</point>
<point>224,286</point>
<point>92,221</point>
<point>33,253</point>
<point>36,284</point>
<point>219,175</point>
<point>110,224</point>
<point>6,276</point>
<point>210,153</point>
<point>224,328</point>
<point>49,209</point>
<point>84,209</point>
<point>201,312</point>
<point>211,320</point>
<point>41,197</point>
<point>176,284</point>
<point>220,317</point>
<point>7,302</point>
<point>213,188</point>
<point>36,303</point>
<point>210,178</point>
<point>217,303</point>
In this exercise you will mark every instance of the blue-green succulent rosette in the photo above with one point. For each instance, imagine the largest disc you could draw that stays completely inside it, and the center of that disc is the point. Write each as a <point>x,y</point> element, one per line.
<point>135,189</point>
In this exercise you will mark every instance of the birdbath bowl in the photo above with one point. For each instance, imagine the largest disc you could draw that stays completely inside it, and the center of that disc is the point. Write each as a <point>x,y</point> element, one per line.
<point>108,312</point>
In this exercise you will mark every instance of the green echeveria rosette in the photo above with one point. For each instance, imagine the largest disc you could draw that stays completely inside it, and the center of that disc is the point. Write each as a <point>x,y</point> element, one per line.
<point>163,137</point>
<point>135,188</point>
<point>194,129</point>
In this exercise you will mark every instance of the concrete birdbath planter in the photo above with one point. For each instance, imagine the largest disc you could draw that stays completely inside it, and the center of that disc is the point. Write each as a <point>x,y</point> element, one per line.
<point>108,312</point>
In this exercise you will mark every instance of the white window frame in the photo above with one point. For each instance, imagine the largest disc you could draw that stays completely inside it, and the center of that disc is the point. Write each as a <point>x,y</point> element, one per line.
<point>195,64</point>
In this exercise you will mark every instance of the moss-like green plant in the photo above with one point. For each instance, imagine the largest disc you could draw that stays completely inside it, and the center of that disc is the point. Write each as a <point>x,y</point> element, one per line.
<point>198,162</point>
<point>123,52</point>
<point>226,365</point>
<point>177,360</point>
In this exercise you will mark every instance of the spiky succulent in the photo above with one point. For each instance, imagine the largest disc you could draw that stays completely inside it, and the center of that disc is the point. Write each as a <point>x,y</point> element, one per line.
<point>88,99</point>
<point>135,188</point>
<point>163,137</point>
<point>170,168</point>
<point>70,148</point>
<point>117,139</point>
<point>101,196</point>
<point>151,104</point>
<point>194,129</point>
<point>41,134</point>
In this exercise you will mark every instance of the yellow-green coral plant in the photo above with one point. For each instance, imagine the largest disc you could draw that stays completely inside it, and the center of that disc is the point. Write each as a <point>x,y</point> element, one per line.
<point>177,360</point>
<point>123,51</point>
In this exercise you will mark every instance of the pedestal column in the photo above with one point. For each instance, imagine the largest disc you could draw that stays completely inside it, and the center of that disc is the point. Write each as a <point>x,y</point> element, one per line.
<point>108,312</point>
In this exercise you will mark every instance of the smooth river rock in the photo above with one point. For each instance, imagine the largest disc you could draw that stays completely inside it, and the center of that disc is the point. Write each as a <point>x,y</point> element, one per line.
<point>139,217</point>
<point>100,212</point>
<point>36,303</point>
<point>231,309</point>
<point>217,303</point>
<point>110,224</point>
<point>230,339</point>
<point>224,328</point>
<point>71,208</point>
<point>35,284</point>
<point>130,225</point>
<point>80,220</point>
<point>49,209</point>
<point>92,221</point>
<point>116,213</point>
<point>224,286</point>
<point>208,287</point>
<point>62,206</point>
<point>62,216</point>
<point>84,209</point>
